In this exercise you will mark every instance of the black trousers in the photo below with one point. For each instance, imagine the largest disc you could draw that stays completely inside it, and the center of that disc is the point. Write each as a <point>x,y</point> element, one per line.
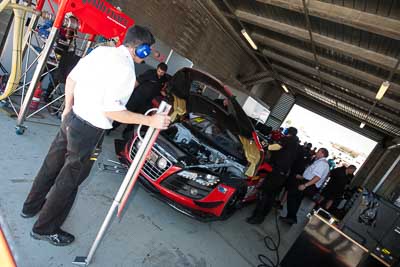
<point>295,196</point>
<point>270,188</point>
<point>65,167</point>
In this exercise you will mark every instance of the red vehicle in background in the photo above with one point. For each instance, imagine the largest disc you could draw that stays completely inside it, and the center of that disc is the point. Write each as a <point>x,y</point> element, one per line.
<point>209,161</point>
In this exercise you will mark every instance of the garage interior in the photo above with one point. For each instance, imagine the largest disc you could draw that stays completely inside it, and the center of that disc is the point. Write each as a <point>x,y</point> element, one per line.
<point>333,58</point>
<point>328,56</point>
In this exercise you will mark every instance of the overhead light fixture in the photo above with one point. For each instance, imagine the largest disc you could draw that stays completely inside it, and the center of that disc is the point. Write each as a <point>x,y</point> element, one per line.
<point>285,88</point>
<point>362,125</point>
<point>248,38</point>
<point>382,90</point>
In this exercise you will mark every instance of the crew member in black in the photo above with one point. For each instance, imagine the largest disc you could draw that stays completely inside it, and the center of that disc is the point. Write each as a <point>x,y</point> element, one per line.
<point>148,86</point>
<point>334,189</point>
<point>298,167</point>
<point>282,158</point>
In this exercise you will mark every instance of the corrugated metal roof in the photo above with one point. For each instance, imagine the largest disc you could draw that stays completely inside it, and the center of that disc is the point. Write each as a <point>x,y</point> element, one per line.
<point>370,49</point>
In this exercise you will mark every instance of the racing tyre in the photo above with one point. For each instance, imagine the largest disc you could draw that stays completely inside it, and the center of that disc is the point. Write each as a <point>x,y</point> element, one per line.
<point>235,202</point>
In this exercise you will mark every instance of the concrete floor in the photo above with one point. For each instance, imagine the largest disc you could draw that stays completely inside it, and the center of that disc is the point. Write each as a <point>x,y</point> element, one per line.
<point>149,234</point>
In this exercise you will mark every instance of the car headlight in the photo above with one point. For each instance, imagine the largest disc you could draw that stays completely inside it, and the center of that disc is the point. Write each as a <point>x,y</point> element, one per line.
<point>162,163</point>
<point>211,179</point>
<point>188,175</point>
<point>200,178</point>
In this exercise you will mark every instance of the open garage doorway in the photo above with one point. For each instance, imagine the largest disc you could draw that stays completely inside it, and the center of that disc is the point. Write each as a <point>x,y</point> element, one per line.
<point>345,146</point>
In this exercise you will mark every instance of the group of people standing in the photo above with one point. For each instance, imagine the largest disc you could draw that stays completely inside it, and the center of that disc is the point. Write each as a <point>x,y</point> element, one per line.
<point>301,172</point>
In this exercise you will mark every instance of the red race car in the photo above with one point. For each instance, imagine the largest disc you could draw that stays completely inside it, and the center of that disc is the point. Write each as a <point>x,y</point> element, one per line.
<point>208,162</point>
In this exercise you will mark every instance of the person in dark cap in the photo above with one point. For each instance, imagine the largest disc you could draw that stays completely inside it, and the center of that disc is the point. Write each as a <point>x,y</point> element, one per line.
<point>339,178</point>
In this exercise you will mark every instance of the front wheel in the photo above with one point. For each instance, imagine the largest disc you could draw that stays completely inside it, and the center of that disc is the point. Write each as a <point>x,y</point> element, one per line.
<point>235,202</point>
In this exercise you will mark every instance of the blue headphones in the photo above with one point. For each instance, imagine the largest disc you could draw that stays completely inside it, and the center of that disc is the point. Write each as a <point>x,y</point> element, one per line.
<point>143,50</point>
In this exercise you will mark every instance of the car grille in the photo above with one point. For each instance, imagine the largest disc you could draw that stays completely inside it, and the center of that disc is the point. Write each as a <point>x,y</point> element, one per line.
<point>183,186</point>
<point>150,167</point>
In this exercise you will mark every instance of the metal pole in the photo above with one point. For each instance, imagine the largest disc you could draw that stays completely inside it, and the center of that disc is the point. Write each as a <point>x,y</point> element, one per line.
<point>36,76</point>
<point>100,235</point>
<point>45,106</point>
<point>32,25</point>
<point>386,174</point>
<point>86,49</point>
<point>169,56</point>
<point>127,184</point>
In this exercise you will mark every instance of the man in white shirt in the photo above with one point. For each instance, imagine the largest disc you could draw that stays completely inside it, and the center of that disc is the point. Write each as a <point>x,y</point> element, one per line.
<point>96,93</point>
<point>309,183</point>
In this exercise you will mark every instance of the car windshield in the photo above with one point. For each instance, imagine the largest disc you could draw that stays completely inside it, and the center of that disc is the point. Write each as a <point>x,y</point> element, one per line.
<point>210,128</point>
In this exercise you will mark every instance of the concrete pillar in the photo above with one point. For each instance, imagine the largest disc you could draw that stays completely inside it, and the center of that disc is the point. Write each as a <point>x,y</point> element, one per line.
<point>382,166</point>
<point>370,166</point>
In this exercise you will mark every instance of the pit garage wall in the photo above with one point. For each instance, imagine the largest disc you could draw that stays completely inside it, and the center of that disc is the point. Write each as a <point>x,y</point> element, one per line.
<point>188,27</point>
<point>268,92</point>
<point>391,186</point>
<point>370,165</point>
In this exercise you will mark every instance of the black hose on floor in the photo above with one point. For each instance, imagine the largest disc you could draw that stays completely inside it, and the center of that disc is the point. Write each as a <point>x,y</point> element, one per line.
<point>271,246</point>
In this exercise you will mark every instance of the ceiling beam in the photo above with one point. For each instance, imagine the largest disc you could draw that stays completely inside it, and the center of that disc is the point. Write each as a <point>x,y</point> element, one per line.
<point>228,15</point>
<point>328,63</point>
<point>394,105</point>
<point>395,130</point>
<point>256,76</point>
<point>340,117</point>
<point>288,74</point>
<point>354,51</point>
<point>263,80</point>
<point>339,14</point>
<point>225,24</point>
<point>302,82</point>
<point>302,92</point>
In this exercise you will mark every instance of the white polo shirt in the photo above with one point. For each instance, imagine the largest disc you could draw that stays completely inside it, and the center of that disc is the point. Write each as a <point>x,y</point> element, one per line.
<point>105,80</point>
<point>319,168</point>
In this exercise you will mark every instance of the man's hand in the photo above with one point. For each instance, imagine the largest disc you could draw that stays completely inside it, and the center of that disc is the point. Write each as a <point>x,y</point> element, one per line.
<point>65,113</point>
<point>160,121</point>
<point>302,187</point>
<point>298,176</point>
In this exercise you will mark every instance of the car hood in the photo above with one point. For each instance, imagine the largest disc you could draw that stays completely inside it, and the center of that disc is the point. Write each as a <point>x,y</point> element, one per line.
<point>237,121</point>
<point>180,86</point>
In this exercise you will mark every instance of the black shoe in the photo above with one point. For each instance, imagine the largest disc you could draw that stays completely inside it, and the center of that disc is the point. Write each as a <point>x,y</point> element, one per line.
<point>254,220</point>
<point>27,215</point>
<point>60,238</point>
<point>249,218</point>
<point>287,220</point>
